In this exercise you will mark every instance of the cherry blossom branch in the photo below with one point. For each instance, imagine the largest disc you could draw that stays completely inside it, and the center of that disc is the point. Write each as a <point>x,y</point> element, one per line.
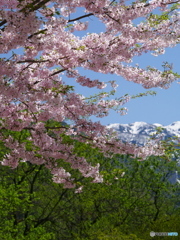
<point>57,72</point>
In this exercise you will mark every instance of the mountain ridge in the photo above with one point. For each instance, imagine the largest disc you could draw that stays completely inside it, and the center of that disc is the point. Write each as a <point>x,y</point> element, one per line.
<point>140,132</point>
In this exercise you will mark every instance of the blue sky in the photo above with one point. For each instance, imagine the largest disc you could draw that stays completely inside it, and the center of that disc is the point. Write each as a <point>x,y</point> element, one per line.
<point>162,108</point>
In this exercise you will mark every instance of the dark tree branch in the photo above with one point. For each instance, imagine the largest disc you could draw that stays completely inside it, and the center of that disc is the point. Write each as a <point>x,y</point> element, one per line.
<point>32,61</point>
<point>27,227</point>
<point>34,8</point>
<point>43,220</point>
<point>78,18</point>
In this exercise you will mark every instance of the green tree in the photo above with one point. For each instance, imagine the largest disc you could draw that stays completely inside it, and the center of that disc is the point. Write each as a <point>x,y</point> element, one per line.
<point>125,206</point>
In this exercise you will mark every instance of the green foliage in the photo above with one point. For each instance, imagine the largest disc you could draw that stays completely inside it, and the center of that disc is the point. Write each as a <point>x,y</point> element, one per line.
<point>175,6</point>
<point>17,204</point>
<point>124,207</point>
<point>156,19</point>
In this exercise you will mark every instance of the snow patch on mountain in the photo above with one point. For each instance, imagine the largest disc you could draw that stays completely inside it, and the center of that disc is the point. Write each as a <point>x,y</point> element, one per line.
<point>174,128</point>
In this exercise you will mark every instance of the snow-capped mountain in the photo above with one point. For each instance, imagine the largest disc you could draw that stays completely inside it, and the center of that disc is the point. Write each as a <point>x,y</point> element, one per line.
<point>140,132</point>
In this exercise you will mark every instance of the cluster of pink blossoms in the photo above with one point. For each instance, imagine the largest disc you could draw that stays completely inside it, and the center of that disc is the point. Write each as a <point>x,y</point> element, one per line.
<point>33,90</point>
